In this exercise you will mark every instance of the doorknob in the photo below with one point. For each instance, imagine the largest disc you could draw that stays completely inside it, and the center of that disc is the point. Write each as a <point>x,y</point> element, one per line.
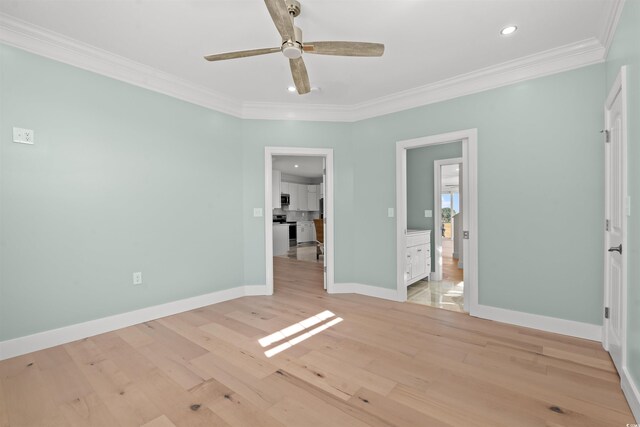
<point>616,249</point>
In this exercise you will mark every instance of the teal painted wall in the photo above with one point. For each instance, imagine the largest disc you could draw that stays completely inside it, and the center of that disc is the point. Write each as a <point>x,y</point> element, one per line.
<point>540,153</point>
<point>420,186</point>
<point>625,50</point>
<point>120,179</point>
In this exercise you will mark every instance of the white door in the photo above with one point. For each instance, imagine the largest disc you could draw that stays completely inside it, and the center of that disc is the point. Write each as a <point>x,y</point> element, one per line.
<point>615,226</point>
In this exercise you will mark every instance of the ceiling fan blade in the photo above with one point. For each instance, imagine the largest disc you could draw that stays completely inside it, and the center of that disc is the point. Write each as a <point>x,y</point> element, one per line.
<point>282,19</point>
<point>241,54</point>
<point>300,76</point>
<point>344,48</point>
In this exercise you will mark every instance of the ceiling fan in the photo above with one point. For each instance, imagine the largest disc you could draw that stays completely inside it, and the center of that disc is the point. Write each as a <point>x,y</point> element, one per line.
<point>282,12</point>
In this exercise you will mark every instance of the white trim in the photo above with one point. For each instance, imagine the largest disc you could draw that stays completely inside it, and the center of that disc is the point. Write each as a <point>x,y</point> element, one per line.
<point>543,323</point>
<point>618,87</point>
<point>437,218</point>
<point>255,290</point>
<point>368,290</point>
<point>631,392</point>
<point>327,153</point>
<point>469,140</point>
<point>557,60</point>
<point>41,340</point>
<point>308,112</point>
<point>609,30</point>
<point>47,43</point>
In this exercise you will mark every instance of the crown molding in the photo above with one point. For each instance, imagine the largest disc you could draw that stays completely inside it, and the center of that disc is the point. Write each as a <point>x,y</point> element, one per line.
<point>309,112</point>
<point>541,64</point>
<point>55,46</point>
<point>43,42</point>
<point>611,23</point>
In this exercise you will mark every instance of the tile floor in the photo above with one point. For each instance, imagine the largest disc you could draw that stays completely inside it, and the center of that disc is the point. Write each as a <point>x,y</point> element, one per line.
<point>447,293</point>
<point>441,294</point>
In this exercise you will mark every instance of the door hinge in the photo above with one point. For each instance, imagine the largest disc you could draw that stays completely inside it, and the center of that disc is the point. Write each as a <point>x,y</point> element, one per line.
<point>465,235</point>
<point>606,225</point>
<point>607,135</point>
<point>606,312</point>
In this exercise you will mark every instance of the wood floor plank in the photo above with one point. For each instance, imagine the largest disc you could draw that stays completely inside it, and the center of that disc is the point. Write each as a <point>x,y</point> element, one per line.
<point>161,421</point>
<point>88,410</point>
<point>393,411</point>
<point>119,393</point>
<point>4,414</point>
<point>385,364</point>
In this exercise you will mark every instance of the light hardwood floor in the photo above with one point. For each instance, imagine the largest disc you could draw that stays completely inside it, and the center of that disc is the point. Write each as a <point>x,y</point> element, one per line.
<point>384,364</point>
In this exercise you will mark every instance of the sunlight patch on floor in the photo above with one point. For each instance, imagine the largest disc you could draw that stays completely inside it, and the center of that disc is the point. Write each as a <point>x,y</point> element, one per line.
<point>296,328</point>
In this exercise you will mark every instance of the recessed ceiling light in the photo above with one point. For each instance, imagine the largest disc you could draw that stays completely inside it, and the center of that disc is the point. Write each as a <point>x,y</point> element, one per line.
<point>291,88</point>
<point>295,166</point>
<point>508,30</point>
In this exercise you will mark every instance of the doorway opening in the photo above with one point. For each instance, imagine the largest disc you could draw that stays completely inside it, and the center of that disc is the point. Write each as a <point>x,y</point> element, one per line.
<point>299,218</point>
<point>445,285</point>
<point>436,207</point>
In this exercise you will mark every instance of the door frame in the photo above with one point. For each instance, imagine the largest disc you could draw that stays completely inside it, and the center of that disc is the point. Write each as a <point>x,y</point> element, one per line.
<point>469,138</point>
<point>437,206</point>
<point>327,153</point>
<point>619,88</point>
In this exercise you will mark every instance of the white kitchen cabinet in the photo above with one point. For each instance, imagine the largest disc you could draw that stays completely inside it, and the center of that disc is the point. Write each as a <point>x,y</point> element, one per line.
<point>275,189</point>
<point>313,201</point>
<point>280,239</point>
<point>417,256</point>
<point>305,232</point>
<point>293,196</point>
<point>284,187</point>
<point>321,186</point>
<point>303,198</point>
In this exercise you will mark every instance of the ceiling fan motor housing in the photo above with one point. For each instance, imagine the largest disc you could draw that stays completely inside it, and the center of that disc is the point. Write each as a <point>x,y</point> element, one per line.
<point>292,49</point>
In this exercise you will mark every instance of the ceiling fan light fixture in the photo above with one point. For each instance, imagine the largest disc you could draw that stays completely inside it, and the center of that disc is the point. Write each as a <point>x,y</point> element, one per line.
<point>291,50</point>
<point>508,30</point>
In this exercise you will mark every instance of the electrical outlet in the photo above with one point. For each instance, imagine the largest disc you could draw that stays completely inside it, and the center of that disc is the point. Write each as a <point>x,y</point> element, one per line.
<point>428,213</point>
<point>257,212</point>
<point>23,136</point>
<point>137,278</point>
<point>390,212</point>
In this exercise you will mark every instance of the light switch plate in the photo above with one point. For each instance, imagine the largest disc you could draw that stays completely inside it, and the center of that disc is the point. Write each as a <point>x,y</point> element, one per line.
<point>428,213</point>
<point>23,136</point>
<point>257,212</point>
<point>390,212</point>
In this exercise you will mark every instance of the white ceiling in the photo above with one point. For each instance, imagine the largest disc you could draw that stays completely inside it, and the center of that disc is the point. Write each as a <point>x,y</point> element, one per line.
<point>450,177</point>
<point>427,41</point>
<point>308,166</point>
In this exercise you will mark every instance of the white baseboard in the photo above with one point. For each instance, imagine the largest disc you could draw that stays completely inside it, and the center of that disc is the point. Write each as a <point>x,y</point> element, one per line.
<point>368,290</point>
<point>253,290</point>
<point>543,323</point>
<point>41,340</point>
<point>631,392</point>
